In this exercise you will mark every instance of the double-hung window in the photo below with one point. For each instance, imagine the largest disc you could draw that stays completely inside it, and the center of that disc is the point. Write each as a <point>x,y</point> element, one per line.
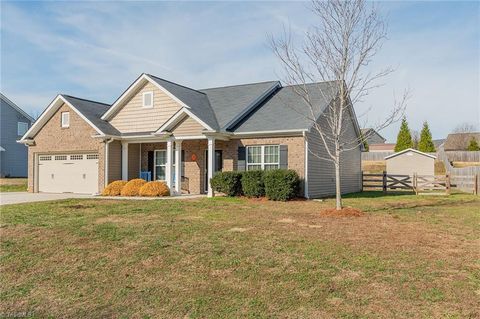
<point>161,165</point>
<point>263,157</point>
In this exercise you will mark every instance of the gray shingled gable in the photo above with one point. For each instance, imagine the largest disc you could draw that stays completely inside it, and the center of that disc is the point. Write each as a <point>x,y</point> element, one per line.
<point>228,101</point>
<point>196,100</point>
<point>93,111</point>
<point>285,109</point>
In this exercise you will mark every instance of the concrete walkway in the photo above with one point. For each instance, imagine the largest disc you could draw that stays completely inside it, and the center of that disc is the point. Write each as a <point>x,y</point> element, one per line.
<point>24,197</point>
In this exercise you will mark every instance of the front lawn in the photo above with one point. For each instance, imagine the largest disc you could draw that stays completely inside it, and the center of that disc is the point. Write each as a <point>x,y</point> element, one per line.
<point>13,185</point>
<point>409,257</point>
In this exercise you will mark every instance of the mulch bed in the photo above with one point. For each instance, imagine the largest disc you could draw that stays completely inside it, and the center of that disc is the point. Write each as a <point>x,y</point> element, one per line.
<point>344,212</point>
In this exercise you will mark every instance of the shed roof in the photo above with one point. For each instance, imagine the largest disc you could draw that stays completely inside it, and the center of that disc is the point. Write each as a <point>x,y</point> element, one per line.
<point>410,150</point>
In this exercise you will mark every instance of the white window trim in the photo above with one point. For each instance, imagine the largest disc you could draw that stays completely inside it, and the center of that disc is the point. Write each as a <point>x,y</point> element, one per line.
<point>143,99</point>
<point>154,177</point>
<point>262,152</point>
<point>23,131</point>
<point>62,119</point>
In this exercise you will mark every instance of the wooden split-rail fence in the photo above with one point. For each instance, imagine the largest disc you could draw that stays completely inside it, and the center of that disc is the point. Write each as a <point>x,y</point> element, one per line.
<point>420,183</point>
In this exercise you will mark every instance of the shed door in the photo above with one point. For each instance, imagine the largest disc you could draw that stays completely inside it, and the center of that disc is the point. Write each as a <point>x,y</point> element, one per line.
<point>68,173</point>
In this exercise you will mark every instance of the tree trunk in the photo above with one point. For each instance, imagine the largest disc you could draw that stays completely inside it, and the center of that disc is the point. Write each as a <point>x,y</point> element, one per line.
<point>338,192</point>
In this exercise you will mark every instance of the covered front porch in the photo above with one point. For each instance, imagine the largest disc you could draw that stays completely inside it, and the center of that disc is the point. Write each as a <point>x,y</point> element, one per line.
<point>156,159</point>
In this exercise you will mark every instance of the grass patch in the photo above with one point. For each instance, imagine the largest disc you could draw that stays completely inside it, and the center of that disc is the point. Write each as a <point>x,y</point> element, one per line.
<point>410,256</point>
<point>13,188</point>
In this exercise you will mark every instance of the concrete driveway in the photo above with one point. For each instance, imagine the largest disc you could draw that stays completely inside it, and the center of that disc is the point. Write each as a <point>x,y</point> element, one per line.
<point>24,197</point>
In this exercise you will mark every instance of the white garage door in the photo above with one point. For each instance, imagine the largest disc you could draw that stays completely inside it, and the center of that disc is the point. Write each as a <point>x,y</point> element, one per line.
<point>68,173</point>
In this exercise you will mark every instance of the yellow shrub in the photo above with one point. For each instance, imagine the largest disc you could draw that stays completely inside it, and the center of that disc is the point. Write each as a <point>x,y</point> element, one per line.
<point>114,188</point>
<point>155,189</point>
<point>133,187</point>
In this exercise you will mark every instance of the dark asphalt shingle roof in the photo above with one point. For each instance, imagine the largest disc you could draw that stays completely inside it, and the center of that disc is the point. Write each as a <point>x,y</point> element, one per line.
<point>93,111</point>
<point>285,109</point>
<point>229,101</point>
<point>196,100</point>
<point>281,110</point>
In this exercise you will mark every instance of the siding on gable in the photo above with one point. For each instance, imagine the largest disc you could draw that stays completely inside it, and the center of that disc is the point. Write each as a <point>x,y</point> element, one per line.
<point>321,173</point>
<point>132,117</point>
<point>188,127</point>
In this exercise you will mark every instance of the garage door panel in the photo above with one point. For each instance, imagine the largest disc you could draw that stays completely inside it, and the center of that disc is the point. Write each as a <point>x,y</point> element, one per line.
<point>72,173</point>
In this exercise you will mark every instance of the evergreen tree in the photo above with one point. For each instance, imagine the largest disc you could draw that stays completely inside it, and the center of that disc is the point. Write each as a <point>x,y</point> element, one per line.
<point>404,138</point>
<point>473,145</point>
<point>364,141</point>
<point>426,144</point>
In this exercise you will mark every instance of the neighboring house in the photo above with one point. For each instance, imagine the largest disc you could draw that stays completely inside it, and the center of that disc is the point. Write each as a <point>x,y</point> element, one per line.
<point>80,146</point>
<point>409,162</point>
<point>460,141</point>
<point>438,143</point>
<point>14,123</point>
<point>383,147</point>
<point>372,136</point>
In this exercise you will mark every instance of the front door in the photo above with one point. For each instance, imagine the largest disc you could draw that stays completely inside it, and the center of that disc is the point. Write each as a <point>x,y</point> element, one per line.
<point>218,166</point>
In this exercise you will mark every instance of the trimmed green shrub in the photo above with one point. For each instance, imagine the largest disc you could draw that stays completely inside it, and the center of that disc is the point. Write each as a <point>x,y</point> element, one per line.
<point>252,183</point>
<point>228,183</point>
<point>281,184</point>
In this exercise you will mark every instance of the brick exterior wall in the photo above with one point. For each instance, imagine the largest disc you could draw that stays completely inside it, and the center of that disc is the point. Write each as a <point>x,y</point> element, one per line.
<point>52,138</point>
<point>77,138</point>
<point>195,169</point>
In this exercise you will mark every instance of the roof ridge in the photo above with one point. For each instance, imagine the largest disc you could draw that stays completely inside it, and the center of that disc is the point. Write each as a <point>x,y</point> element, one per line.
<point>244,84</point>
<point>310,83</point>
<point>476,132</point>
<point>79,98</point>
<point>183,86</point>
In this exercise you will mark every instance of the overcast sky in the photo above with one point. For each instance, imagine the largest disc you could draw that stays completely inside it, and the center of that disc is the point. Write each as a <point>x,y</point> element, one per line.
<point>95,50</point>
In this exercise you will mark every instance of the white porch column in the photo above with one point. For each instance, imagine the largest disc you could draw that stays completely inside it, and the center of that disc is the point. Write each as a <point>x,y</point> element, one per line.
<point>125,161</point>
<point>169,166</point>
<point>178,167</point>
<point>211,163</point>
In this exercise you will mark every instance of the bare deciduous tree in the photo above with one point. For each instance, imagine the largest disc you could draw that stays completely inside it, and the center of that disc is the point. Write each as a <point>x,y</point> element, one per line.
<point>465,128</point>
<point>338,49</point>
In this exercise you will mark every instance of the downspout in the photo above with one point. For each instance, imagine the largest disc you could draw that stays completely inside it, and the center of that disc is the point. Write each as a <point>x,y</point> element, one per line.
<point>105,171</point>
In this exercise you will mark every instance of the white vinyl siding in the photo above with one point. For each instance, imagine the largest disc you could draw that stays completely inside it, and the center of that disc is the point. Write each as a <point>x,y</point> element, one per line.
<point>264,157</point>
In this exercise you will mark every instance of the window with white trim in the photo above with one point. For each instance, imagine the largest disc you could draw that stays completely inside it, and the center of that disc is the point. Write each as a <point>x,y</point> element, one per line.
<point>65,119</point>
<point>160,164</point>
<point>147,99</point>
<point>22,128</point>
<point>265,157</point>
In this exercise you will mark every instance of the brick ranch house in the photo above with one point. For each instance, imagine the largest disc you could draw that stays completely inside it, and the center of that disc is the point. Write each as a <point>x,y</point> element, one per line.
<point>80,146</point>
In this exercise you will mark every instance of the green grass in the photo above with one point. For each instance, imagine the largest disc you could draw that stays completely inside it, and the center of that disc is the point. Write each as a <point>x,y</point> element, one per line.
<point>13,185</point>
<point>13,188</point>
<point>409,257</point>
